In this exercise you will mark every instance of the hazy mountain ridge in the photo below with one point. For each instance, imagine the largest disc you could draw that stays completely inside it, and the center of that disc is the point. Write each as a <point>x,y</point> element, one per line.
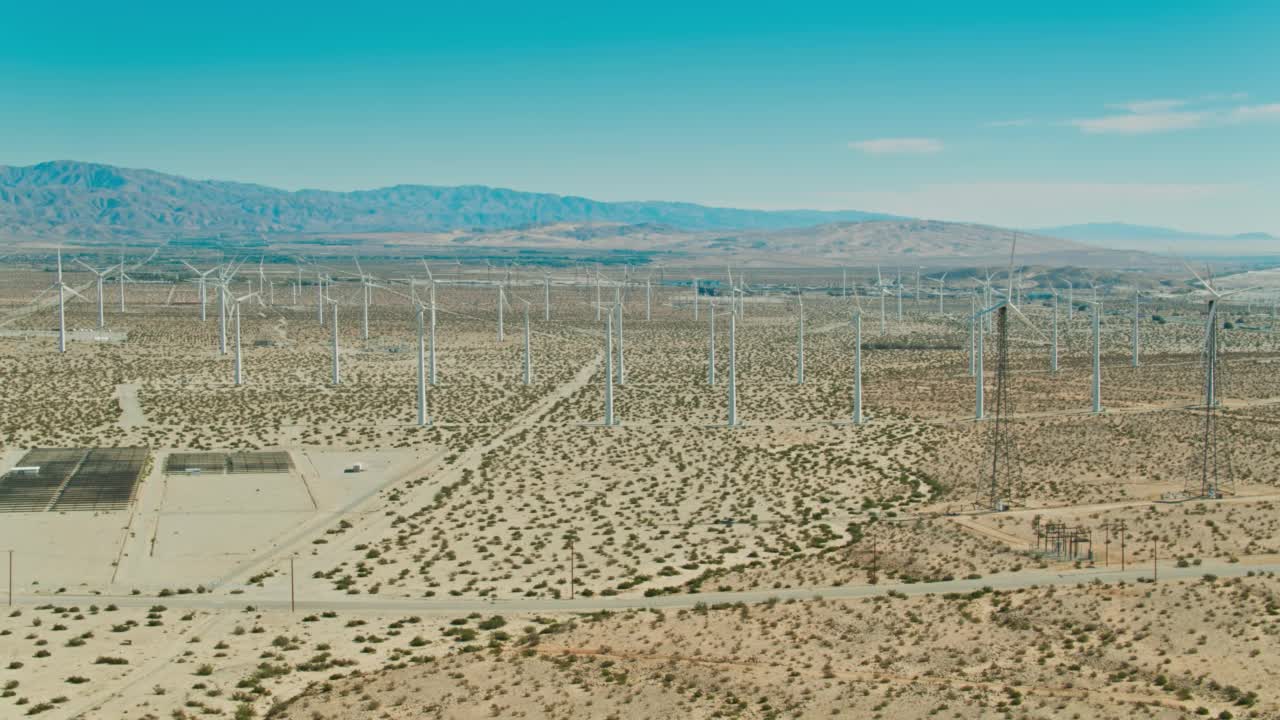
<point>1158,239</point>
<point>78,200</point>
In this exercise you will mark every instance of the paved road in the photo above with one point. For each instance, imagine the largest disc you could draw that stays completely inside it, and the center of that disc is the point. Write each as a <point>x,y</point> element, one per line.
<point>271,599</point>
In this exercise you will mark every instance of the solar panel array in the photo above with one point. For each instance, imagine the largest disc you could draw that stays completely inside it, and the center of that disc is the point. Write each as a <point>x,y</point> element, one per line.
<point>26,492</point>
<point>90,479</point>
<point>177,463</point>
<point>229,462</point>
<point>106,480</point>
<point>259,462</point>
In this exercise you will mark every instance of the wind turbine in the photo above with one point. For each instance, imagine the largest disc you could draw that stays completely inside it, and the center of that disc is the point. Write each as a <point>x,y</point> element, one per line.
<point>423,418</point>
<point>857,362</point>
<point>800,336</point>
<point>502,300</point>
<point>1210,485</point>
<point>239,378</point>
<point>608,370</point>
<point>898,292</point>
<point>122,277</point>
<point>1053,352</point>
<point>733,370</point>
<point>98,275</point>
<point>695,299</point>
<point>881,290</point>
<point>546,297</point>
<point>201,280</point>
<point>63,288</point>
<point>1136,310</point>
<point>528,353</point>
<point>622,355</point>
<point>941,279</point>
<point>431,307</point>
<point>648,298</point>
<point>711,346</point>
<point>337,366</point>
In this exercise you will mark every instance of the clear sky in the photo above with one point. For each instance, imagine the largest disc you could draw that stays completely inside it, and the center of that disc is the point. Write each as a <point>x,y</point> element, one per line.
<point>1016,113</point>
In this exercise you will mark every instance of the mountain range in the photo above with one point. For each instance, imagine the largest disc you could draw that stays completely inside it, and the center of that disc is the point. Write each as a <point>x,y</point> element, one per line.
<point>94,204</point>
<point>77,200</point>
<point>1162,240</point>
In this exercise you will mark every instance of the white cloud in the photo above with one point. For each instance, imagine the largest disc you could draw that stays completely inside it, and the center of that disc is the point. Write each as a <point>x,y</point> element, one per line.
<point>1141,123</point>
<point>1020,122</point>
<point>903,146</point>
<point>1249,113</point>
<point>1155,116</point>
<point>1149,106</point>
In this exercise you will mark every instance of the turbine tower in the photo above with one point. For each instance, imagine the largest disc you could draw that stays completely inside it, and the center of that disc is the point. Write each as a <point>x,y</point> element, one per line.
<point>622,353</point>
<point>201,281</point>
<point>239,364</point>
<point>423,418</point>
<point>800,337</point>
<point>1136,310</point>
<point>528,353</point>
<point>1053,352</point>
<point>98,276</point>
<point>337,366</point>
<point>711,346</point>
<point>1216,477</point>
<point>857,367</point>
<point>608,370</point>
<point>733,370</point>
<point>63,289</point>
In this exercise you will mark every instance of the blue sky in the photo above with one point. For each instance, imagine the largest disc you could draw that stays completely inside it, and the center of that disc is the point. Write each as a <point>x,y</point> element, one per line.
<point>1014,113</point>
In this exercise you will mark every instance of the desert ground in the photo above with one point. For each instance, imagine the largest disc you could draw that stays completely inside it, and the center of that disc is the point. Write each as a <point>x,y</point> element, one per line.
<point>518,557</point>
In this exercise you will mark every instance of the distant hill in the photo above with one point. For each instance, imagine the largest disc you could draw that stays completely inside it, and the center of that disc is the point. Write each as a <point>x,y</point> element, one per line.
<point>1158,239</point>
<point>86,201</point>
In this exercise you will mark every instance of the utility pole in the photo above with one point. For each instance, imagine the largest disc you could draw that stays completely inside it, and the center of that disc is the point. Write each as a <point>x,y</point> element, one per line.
<point>293,605</point>
<point>1155,570</point>
<point>571,566</point>
<point>1122,559</point>
<point>875,561</point>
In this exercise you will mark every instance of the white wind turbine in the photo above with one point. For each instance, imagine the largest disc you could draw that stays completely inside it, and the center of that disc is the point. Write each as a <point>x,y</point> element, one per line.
<point>98,275</point>
<point>1053,352</point>
<point>431,336</point>
<point>502,302</point>
<point>857,361</point>
<point>239,377</point>
<point>882,290</point>
<point>528,350</point>
<point>648,298</point>
<point>897,286</point>
<point>608,370</point>
<point>1137,309</point>
<point>799,336</point>
<point>941,280</point>
<point>695,299</point>
<point>202,279</point>
<point>423,418</point>
<point>546,297</point>
<point>337,364</point>
<point>733,371</point>
<point>121,277</point>
<point>63,289</point>
<point>711,345</point>
<point>622,352</point>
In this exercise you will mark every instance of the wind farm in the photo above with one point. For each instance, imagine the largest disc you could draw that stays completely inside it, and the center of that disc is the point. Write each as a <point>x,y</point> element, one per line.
<point>752,449</point>
<point>459,362</point>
